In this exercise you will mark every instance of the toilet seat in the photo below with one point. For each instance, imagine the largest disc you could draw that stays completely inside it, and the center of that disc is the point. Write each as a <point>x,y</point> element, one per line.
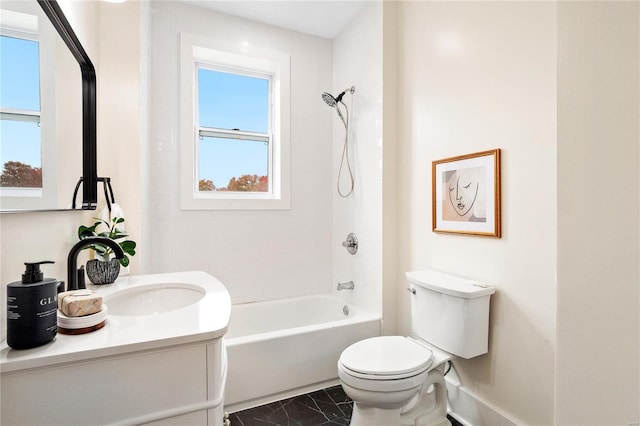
<point>385,358</point>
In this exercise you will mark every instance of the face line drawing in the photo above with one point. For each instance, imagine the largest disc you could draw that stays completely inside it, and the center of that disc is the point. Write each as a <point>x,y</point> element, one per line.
<point>460,204</point>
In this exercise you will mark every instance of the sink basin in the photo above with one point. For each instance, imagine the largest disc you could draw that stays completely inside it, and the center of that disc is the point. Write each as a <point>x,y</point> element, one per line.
<point>153,299</point>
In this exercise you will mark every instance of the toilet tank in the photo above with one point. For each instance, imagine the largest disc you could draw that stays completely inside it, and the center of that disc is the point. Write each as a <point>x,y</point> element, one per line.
<point>450,312</point>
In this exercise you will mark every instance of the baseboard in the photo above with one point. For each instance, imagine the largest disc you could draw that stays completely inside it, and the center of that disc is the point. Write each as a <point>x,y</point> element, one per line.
<point>469,410</point>
<point>290,393</point>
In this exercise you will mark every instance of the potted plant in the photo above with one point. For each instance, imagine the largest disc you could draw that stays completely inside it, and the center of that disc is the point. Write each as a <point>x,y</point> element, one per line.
<point>103,269</point>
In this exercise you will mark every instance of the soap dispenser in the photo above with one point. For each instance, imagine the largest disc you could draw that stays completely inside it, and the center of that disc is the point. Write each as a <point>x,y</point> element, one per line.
<point>32,306</point>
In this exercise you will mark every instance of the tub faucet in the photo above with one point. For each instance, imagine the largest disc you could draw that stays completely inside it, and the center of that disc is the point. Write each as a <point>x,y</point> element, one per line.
<point>346,286</point>
<point>72,259</point>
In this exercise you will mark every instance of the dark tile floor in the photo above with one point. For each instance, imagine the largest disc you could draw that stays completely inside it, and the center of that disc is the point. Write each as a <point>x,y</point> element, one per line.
<point>324,407</point>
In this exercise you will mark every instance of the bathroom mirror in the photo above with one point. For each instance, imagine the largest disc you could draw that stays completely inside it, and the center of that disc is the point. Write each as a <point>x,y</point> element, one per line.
<point>47,111</point>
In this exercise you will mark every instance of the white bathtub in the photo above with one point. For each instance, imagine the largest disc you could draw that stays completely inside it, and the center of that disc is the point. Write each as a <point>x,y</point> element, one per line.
<point>282,348</point>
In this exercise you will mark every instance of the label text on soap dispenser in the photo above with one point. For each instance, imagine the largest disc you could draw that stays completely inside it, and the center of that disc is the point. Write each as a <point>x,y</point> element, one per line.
<point>47,300</point>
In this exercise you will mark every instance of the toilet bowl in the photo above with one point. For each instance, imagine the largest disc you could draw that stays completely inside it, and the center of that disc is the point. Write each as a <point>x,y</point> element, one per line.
<point>387,371</point>
<point>397,380</point>
<point>382,375</point>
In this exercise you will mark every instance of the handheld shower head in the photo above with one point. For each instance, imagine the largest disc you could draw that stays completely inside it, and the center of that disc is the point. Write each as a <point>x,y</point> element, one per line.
<point>331,101</point>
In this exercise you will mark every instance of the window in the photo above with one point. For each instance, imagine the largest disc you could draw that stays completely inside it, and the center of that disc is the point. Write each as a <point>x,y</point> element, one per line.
<point>234,127</point>
<point>234,130</point>
<point>20,139</point>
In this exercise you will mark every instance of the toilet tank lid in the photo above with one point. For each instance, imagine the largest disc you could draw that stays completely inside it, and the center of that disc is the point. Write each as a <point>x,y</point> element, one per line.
<point>449,284</point>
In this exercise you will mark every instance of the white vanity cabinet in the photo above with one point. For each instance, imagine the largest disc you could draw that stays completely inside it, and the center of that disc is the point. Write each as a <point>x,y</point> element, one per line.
<point>164,369</point>
<point>176,385</point>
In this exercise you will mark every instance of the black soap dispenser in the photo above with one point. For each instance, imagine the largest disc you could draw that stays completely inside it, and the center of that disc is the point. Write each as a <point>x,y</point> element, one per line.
<point>32,306</point>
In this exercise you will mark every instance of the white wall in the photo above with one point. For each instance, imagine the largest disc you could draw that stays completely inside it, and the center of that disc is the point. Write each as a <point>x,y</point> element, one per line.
<point>390,169</point>
<point>357,61</point>
<point>475,76</point>
<point>121,116</point>
<point>598,324</point>
<point>258,255</point>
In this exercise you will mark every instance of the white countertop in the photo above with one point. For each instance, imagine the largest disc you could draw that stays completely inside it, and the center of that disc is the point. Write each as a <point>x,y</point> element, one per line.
<point>204,320</point>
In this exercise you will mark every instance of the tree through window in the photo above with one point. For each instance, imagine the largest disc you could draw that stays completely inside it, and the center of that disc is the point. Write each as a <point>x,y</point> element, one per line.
<point>20,140</point>
<point>234,130</point>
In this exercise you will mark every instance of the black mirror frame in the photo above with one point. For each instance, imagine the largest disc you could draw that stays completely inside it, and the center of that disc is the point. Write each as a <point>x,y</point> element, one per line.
<point>89,129</point>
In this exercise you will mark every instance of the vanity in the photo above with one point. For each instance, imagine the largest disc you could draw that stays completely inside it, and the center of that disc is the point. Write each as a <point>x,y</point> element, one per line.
<point>160,359</point>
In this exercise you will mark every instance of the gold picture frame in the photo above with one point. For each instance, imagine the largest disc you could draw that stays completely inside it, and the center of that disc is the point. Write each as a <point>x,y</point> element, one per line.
<point>466,194</point>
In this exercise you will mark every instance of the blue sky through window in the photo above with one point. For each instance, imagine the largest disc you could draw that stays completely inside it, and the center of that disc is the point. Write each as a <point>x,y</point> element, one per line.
<point>19,89</point>
<point>20,142</point>
<point>19,74</point>
<point>222,159</point>
<point>232,101</point>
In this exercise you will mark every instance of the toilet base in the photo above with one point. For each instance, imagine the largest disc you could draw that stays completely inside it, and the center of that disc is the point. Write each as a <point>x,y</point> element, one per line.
<point>372,416</point>
<point>427,408</point>
<point>432,422</point>
<point>431,418</point>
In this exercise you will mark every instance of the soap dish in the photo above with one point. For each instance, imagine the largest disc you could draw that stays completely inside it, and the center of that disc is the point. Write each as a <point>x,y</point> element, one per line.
<point>81,325</point>
<point>83,330</point>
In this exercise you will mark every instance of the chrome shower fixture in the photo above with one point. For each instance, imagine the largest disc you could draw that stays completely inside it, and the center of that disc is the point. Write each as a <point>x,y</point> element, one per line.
<point>351,243</point>
<point>346,286</point>
<point>335,103</point>
<point>331,101</point>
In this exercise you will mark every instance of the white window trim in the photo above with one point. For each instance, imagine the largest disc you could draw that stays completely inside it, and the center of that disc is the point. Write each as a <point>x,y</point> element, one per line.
<point>197,49</point>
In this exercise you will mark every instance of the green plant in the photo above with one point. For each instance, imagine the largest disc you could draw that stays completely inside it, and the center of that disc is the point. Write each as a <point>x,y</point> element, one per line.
<point>114,233</point>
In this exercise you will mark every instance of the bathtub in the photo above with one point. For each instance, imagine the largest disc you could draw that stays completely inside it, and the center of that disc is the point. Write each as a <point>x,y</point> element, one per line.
<point>282,348</point>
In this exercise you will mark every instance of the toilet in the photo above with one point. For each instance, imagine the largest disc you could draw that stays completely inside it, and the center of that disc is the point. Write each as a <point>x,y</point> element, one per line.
<point>397,380</point>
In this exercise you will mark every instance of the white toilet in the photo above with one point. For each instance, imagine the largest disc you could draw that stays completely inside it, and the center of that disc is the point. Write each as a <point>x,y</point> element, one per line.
<point>396,380</point>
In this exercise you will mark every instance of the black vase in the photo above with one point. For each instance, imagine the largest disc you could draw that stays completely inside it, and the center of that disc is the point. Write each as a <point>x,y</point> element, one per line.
<point>103,272</point>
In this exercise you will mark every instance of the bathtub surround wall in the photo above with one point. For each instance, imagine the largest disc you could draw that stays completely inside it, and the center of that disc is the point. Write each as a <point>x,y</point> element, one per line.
<point>259,255</point>
<point>357,59</point>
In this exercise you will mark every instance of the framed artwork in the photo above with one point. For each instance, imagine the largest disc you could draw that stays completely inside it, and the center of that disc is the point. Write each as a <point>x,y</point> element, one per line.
<point>466,194</point>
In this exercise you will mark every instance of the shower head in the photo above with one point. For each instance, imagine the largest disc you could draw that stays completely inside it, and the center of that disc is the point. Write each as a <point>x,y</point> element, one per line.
<point>331,101</point>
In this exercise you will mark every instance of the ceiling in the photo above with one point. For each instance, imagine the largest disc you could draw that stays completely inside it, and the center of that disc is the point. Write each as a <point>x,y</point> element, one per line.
<point>322,18</point>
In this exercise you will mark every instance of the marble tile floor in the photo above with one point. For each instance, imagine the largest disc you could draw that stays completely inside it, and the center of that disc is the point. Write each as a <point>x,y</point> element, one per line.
<point>324,407</point>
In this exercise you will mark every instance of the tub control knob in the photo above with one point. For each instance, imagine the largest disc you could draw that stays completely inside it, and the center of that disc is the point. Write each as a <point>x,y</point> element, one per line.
<point>351,243</point>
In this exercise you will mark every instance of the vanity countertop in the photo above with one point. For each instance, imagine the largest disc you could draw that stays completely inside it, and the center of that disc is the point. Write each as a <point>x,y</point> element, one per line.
<point>206,319</point>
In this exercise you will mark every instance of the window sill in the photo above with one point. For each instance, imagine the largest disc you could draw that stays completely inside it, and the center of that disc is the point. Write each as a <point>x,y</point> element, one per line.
<point>255,202</point>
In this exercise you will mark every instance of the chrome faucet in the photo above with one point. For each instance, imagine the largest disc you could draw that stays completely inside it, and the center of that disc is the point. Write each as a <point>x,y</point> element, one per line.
<point>346,286</point>
<point>72,259</point>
